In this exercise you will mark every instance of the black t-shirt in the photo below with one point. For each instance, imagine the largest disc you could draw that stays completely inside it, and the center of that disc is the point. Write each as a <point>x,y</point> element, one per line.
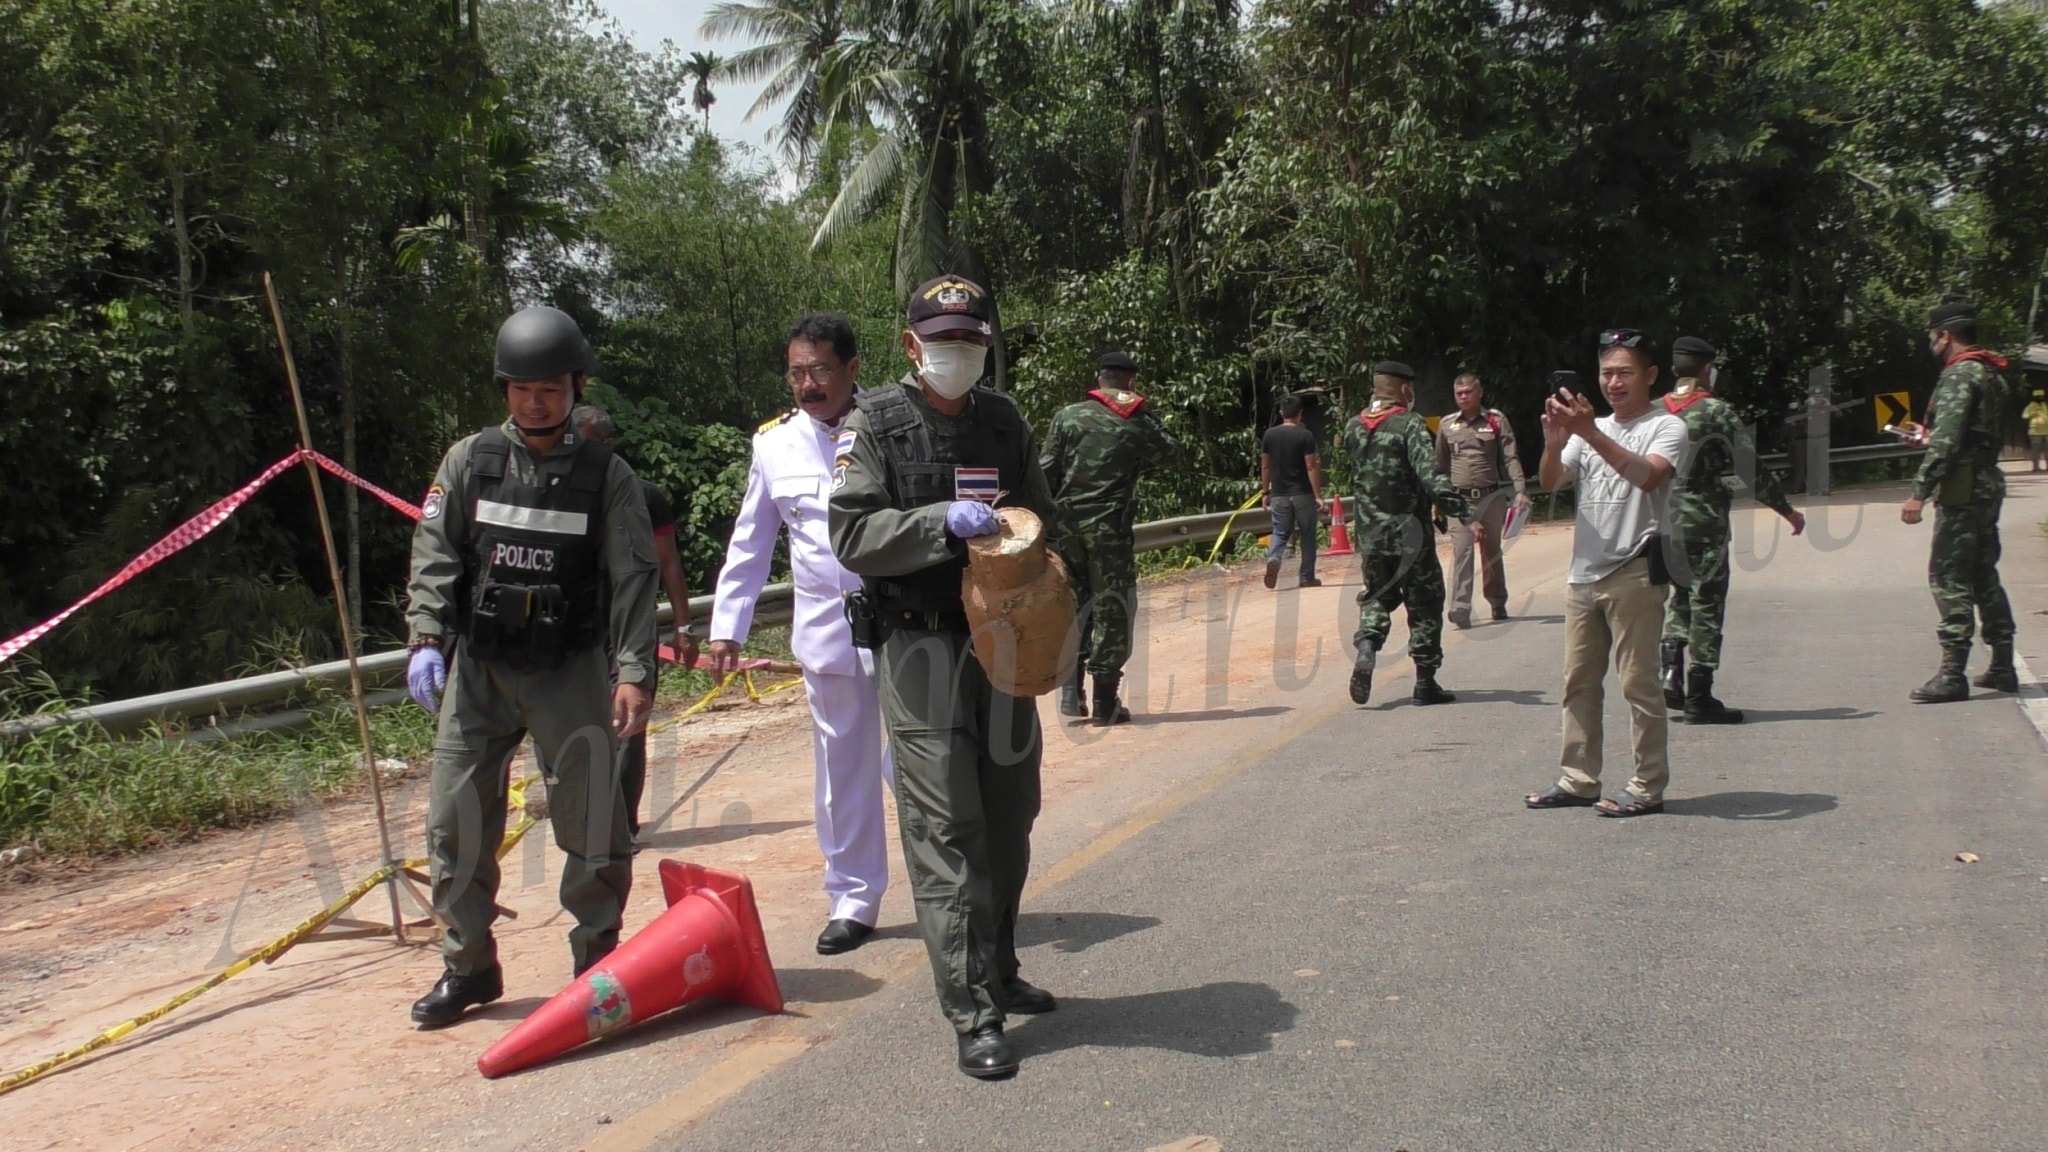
<point>658,511</point>
<point>1290,446</point>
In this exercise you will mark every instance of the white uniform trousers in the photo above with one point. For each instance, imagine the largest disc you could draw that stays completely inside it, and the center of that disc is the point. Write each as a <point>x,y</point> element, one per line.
<point>853,768</point>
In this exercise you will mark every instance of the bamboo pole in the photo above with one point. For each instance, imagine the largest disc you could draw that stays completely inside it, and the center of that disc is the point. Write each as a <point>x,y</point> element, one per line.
<point>348,640</point>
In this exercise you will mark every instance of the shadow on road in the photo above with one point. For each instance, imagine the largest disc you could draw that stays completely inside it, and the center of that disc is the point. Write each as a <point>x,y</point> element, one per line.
<point>1753,805</point>
<point>1227,1019</point>
<point>1528,698</point>
<point>825,985</point>
<point>1839,712</point>
<point>694,837</point>
<point>1147,720</point>
<point>1077,931</point>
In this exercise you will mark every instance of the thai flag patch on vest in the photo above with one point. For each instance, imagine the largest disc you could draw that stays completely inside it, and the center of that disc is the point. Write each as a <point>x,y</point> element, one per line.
<point>983,484</point>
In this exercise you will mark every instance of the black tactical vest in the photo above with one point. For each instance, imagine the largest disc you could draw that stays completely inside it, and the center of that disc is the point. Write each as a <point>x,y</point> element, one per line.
<point>535,594</point>
<point>922,463</point>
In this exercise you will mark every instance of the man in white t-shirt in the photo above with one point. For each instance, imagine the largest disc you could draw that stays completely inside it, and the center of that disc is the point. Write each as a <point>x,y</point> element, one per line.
<point>1614,600</point>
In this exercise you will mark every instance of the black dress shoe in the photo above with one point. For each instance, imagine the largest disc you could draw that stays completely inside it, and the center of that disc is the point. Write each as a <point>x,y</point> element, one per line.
<point>452,994</point>
<point>1025,999</point>
<point>985,1054</point>
<point>843,936</point>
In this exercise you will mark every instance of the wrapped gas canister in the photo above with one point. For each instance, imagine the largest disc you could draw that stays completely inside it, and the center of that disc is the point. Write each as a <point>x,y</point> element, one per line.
<point>1020,606</point>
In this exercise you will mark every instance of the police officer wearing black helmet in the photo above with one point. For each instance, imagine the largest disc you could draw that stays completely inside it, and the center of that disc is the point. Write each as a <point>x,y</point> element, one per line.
<point>533,545</point>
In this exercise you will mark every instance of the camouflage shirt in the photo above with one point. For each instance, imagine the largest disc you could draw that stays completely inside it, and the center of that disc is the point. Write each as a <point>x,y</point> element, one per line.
<point>1393,468</point>
<point>1965,422</point>
<point>1094,453</point>
<point>1718,449</point>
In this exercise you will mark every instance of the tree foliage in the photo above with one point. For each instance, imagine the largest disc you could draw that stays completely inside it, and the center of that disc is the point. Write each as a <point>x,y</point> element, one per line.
<point>1249,198</point>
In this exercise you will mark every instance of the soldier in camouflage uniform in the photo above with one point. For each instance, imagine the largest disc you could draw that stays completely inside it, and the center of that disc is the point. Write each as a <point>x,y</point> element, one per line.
<point>1701,497</point>
<point>1963,432</point>
<point>1094,453</point>
<point>1394,482</point>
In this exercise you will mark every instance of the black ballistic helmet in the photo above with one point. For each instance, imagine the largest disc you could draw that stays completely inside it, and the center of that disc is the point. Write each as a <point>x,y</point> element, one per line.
<point>539,343</point>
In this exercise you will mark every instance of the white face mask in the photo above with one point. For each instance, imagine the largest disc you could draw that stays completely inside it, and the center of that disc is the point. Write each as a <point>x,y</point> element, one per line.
<point>950,367</point>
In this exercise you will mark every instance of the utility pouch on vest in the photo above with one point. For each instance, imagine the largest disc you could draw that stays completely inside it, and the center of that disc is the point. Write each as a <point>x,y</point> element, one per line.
<point>526,626</point>
<point>864,621</point>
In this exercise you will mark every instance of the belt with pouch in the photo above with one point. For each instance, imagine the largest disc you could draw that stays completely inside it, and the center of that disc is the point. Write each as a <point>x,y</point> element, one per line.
<point>896,616</point>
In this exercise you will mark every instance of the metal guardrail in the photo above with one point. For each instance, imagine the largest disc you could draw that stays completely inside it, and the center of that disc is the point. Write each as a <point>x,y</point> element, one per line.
<point>251,691</point>
<point>383,668</point>
<point>773,608</point>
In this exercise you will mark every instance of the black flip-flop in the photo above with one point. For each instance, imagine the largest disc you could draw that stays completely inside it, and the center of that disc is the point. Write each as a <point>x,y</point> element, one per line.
<point>1556,797</point>
<point>1628,804</point>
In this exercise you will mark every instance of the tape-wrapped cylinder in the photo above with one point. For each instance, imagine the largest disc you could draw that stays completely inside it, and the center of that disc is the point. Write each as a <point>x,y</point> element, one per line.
<point>1020,605</point>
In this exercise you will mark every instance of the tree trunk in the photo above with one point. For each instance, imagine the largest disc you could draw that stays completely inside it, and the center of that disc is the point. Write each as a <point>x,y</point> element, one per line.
<point>184,237</point>
<point>351,504</point>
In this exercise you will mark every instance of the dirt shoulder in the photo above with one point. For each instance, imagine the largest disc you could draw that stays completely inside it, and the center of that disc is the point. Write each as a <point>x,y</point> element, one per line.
<point>316,1051</point>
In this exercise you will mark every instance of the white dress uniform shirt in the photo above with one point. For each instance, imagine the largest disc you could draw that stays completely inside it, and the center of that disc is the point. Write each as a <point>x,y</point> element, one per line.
<point>787,485</point>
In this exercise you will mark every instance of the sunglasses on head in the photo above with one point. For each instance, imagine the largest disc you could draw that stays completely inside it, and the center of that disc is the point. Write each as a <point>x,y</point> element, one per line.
<point>1622,338</point>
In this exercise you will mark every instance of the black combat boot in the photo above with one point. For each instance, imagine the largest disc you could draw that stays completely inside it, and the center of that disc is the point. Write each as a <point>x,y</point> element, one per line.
<point>1361,675</point>
<point>1674,674</point>
<point>1071,701</point>
<point>452,994</point>
<point>1107,708</point>
<point>1700,705</point>
<point>1948,685</point>
<point>2001,676</point>
<point>1428,691</point>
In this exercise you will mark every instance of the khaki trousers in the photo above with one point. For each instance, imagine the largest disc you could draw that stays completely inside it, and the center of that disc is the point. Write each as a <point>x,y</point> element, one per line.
<point>1490,523</point>
<point>1622,613</point>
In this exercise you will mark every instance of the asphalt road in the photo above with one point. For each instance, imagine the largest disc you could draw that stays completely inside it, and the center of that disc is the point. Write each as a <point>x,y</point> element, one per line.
<point>1361,940</point>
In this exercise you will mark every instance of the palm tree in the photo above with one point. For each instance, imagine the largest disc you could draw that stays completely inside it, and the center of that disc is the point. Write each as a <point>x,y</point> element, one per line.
<point>907,68</point>
<point>790,41</point>
<point>702,68</point>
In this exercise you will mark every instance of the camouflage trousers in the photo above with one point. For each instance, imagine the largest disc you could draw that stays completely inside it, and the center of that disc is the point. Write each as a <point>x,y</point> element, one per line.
<point>1104,574</point>
<point>1694,615</point>
<point>1962,567</point>
<point>1401,567</point>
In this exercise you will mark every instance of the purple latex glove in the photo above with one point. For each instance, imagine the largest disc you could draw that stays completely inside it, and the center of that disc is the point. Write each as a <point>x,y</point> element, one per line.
<point>965,518</point>
<point>426,674</point>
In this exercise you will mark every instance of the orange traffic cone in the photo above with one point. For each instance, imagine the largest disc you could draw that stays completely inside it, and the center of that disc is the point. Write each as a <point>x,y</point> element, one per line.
<point>1340,533</point>
<point>708,943</point>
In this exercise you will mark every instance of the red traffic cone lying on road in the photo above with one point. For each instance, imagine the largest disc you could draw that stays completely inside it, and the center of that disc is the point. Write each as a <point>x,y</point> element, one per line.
<point>1340,533</point>
<point>708,943</point>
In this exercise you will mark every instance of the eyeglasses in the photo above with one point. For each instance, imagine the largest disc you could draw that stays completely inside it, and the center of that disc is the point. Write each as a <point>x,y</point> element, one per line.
<point>1622,338</point>
<point>798,373</point>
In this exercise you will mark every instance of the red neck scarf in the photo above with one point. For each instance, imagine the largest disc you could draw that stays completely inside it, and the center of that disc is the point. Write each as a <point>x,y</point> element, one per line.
<point>1124,404</point>
<point>1991,358</point>
<point>1373,420</point>
<point>1675,403</point>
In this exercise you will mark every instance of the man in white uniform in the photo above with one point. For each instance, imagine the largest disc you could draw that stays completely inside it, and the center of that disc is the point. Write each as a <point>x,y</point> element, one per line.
<point>787,485</point>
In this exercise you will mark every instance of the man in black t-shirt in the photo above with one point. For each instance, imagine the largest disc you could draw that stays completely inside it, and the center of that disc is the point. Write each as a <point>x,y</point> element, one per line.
<point>1292,479</point>
<point>594,423</point>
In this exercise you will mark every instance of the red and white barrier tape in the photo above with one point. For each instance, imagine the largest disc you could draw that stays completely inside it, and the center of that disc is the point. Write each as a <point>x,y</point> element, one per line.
<point>190,532</point>
<point>412,511</point>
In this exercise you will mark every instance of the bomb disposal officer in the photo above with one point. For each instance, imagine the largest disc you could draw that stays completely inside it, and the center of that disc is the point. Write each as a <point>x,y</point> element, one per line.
<point>532,544</point>
<point>918,468</point>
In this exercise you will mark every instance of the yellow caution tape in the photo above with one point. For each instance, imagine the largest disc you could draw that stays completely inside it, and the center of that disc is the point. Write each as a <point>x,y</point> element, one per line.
<point>515,802</point>
<point>264,955</point>
<point>1225,534</point>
